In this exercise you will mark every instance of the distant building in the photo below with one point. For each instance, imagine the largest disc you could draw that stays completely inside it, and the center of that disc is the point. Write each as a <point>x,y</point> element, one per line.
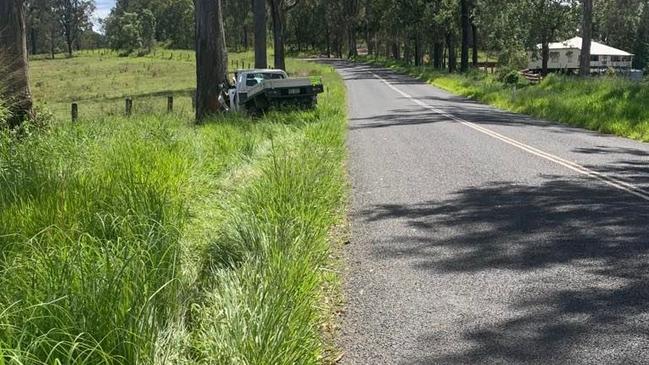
<point>566,56</point>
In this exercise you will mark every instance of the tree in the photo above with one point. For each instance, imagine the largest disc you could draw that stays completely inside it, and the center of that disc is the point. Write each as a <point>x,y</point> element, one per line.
<point>351,12</point>
<point>261,56</point>
<point>641,44</point>
<point>211,58</point>
<point>175,23</point>
<point>174,20</point>
<point>131,31</point>
<point>125,32</point>
<point>587,37</point>
<point>466,31</point>
<point>74,18</point>
<point>550,19</point>
<point>13,41</point>
<point>147,23</point>
<point>278,9</point>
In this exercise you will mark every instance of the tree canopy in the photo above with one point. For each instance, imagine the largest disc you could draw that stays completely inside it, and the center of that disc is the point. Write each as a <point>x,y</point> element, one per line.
<point>440,32</point>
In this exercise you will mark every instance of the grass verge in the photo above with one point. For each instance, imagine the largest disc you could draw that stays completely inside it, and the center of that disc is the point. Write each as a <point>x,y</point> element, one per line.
<point>609,105</point>
<point>149,240</point>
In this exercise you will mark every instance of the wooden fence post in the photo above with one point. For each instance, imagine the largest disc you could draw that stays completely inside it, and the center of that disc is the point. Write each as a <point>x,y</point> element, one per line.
<point>170,104</point>
<point>128,106</point>
<point>75,112</point>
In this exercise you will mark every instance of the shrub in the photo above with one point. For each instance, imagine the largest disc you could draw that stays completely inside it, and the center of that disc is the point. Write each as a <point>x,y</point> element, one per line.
<point>513,59</point>
<point>512,77</point>
<point>132,31</point>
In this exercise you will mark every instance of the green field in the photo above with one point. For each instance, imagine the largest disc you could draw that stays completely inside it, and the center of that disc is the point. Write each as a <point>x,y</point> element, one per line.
<point>605,104</point>
<point>149,240</point>
<point>99,81</point>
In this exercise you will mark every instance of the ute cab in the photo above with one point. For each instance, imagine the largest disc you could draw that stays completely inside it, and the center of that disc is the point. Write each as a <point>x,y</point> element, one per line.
<point>245,80</point>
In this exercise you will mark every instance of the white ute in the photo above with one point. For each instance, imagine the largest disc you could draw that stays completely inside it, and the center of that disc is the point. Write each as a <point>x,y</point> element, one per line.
<point>257,90</point>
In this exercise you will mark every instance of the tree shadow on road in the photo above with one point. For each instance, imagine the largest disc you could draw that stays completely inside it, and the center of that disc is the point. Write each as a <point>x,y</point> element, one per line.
<point>584,246</point>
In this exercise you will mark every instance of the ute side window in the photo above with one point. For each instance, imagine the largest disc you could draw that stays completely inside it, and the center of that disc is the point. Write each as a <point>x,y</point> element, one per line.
<point>251,80</point>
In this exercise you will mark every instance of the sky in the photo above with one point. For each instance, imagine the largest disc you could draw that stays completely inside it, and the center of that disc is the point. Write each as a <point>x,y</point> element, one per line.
<point>102,9</point>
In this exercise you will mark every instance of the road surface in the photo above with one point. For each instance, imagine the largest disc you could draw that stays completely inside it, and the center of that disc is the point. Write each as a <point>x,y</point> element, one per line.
<point>480,236</point>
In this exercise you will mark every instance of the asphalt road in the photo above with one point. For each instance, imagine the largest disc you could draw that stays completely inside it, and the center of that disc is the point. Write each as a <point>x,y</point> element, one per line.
<point>480,236</point>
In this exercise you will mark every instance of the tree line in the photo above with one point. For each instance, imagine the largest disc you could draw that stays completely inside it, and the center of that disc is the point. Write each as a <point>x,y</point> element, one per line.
<point>447,34</point>
<point>455,34</point>
<point>53,26</point>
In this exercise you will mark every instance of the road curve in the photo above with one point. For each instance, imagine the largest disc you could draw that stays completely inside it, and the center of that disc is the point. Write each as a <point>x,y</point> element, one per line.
<point>480,236</point>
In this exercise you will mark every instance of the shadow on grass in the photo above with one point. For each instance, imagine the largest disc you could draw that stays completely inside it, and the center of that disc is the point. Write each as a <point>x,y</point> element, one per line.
<point>584,245</point>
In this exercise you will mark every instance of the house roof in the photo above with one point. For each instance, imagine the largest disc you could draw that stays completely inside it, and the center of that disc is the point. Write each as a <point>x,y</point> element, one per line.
<point>596,48</point>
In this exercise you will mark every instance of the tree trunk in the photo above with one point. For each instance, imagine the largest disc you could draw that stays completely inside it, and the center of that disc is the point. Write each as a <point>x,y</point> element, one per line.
<point>13,43</point>
<point>474,32</point>
<point>351,34</point>
<point>396,50</point>
<point>444,57</point>
<point>245,38</point>
<point>586,35</point>
<point>68,40</point>
<point>278,33</point>
<point>407,54</point>
<point>438,55</point>
<point>52,42</point>
<point>328,36</point>
<point>466,30</point>
<point>368,39</point>
<point>545,57</point>
<point>452,57</point>
<point>261,56</point>
<point>32,38</point>
<point>211,58</point>
<point>351,11</point>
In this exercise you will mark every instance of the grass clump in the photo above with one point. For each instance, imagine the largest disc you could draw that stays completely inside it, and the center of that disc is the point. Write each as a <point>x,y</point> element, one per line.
<point>605,104</point>
<point>148,240</point>
<point>262,299</point>
<point>89,230</point>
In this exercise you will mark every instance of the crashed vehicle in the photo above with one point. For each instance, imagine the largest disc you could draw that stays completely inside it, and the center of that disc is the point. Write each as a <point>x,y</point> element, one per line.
<point>258,90</point>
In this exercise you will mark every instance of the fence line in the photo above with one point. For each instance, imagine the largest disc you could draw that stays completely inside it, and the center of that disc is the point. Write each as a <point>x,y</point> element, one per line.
<point>128,107</point>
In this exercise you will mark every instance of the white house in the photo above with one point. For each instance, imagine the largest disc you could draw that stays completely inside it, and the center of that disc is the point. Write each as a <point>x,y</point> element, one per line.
<point>566,56</point>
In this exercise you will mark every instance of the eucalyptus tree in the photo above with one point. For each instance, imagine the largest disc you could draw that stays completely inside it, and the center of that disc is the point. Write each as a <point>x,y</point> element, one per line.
<point>586,35</point>
<point>74,17</point>
<point>278,10</point>
<point>466,31</point>
<point>259,12</point>
<point>211,58</point>
<point>15,75</point>
<point>641,43</point>
<point>549,21</point>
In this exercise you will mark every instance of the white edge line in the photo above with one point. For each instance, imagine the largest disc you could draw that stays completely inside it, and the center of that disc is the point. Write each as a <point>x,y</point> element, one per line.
<point>618,184</point>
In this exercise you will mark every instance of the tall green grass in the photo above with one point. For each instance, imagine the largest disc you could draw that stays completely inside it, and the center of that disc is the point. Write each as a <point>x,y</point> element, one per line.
<point>263,281</point>
<point>149,240</point>
<point>605,104</point>
<point>89,229</point>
